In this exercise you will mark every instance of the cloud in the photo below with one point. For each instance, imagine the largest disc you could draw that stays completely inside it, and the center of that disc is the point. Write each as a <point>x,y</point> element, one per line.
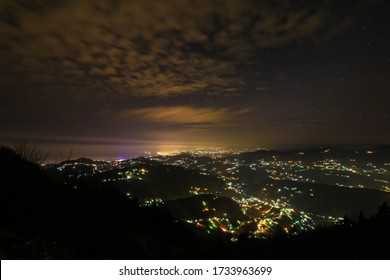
<point>184,115</point>
<point>147,48</point>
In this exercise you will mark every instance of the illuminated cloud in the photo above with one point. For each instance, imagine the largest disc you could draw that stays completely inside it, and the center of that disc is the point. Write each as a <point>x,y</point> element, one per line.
<point>184,115</point>
<point>146,48</point>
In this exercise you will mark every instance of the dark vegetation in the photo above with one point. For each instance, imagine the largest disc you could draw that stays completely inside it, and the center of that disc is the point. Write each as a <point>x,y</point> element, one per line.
<point>327,200</point>
<point>166,182</point>
<point>191,207</point>
<point>43,218</point>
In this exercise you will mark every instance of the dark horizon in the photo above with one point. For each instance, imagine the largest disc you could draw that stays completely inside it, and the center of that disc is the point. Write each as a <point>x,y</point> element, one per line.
<point>114,151</point>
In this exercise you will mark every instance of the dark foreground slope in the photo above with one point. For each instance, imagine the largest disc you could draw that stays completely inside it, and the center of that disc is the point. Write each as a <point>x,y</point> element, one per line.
<point>42,218</point>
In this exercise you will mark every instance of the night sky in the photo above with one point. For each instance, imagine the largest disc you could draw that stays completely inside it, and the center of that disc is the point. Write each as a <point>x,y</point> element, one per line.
<point>108,77</point>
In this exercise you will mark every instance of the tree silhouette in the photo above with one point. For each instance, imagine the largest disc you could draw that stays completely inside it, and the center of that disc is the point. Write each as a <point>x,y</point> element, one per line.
<point>29,151</point>
<point>346,220</point>
<point>66,157</point>
<point>384,211</point>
